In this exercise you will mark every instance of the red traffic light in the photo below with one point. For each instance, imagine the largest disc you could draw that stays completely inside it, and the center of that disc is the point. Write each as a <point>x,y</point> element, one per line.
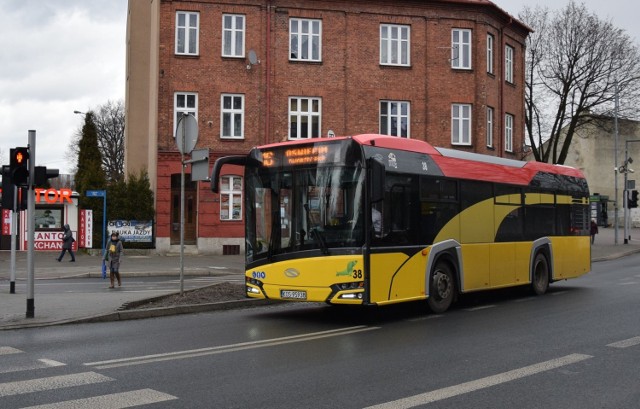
<point>18,166</point>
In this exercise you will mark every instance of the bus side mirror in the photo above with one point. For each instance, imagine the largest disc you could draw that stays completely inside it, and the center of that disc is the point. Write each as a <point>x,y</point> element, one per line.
<point>377,180</point>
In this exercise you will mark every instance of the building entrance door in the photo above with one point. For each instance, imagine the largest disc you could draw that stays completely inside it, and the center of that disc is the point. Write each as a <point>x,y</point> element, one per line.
<point>190,209</point>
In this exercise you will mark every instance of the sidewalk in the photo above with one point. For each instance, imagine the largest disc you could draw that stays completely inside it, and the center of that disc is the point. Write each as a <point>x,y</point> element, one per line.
<point>53,309</point>
<point>72,307</point>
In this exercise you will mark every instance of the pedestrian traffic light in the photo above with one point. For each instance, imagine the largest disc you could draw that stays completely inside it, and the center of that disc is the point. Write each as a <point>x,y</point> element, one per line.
<point>633,201</point>
<point>19,166</point>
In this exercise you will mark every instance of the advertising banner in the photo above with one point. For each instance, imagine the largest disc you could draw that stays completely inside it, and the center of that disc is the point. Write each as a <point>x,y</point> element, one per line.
<point>132,231</point>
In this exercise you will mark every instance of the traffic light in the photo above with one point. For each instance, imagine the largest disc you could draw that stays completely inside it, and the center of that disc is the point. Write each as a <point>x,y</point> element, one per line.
<point>7,188</point>
<point>19,166</point>
<point>42,175</point>
<point>633,201</point>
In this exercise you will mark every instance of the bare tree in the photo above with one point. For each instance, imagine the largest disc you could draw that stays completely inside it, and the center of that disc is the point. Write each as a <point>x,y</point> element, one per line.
<point>575,64</point>
<point>109,122</point>
<point>110,126</point>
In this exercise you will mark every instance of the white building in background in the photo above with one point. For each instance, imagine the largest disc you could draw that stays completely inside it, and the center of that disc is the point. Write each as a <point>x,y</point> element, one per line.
<point>593,151</point>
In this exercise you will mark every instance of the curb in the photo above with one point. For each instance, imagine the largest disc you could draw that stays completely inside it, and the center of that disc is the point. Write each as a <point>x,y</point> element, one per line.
<point>126,315</point>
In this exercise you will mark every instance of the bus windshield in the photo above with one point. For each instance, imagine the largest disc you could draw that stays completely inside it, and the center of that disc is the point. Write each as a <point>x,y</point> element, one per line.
<point>303,209</point>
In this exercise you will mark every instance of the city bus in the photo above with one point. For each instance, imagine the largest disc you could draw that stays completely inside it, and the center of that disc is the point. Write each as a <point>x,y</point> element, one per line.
<point>378,220</point>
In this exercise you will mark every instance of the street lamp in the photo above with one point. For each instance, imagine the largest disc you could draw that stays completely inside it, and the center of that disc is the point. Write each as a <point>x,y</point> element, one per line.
<point>79,113</point>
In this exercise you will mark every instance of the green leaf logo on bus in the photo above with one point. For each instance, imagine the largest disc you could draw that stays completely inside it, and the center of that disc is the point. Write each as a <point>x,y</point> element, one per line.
<point>347,271</point>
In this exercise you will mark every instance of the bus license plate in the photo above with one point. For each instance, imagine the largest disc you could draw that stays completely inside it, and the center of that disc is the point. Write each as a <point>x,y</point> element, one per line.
<point>296,295</point>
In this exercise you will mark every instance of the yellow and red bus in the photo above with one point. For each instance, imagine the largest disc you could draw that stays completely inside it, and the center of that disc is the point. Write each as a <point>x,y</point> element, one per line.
<point>377,220</point>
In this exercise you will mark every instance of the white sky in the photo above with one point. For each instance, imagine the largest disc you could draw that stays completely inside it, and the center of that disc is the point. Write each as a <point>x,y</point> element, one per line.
<point>65,55</point>
<point>58,56</point>
<point>622,13</point>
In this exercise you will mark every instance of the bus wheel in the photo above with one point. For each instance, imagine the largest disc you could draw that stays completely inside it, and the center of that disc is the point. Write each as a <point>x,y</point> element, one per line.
<point>442,289</point>
<point>540,276</point>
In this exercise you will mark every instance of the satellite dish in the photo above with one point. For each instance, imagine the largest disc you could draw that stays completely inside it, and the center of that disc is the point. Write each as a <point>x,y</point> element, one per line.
<point>253,58</point>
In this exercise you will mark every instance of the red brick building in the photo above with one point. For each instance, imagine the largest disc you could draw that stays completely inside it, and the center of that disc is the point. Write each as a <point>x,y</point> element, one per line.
<point>450,72</point>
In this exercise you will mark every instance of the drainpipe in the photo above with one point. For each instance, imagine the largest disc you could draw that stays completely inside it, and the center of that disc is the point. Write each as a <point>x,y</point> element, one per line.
<point>267,121</point>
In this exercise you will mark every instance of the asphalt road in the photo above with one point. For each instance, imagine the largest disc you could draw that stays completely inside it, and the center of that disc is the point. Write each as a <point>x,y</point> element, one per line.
<point>576,347</point>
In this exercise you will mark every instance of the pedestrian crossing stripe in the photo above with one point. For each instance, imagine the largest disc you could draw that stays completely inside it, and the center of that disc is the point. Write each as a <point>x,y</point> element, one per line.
<point>41,364</point>
<point>50,383</point>
<point>112,401</point>
<point>9,351</point>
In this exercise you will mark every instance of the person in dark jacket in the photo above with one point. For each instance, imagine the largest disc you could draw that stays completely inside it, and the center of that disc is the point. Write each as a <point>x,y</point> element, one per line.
<point>112,256</point>
<point>594,231</point>
<point>67,244</point>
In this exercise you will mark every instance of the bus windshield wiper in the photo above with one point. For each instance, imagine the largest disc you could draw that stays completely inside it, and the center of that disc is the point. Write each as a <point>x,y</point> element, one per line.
<point>317,233</point>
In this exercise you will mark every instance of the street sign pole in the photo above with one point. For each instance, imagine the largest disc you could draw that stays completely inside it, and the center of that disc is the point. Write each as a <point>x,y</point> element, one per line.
<point>14,234</point>
<point>186,139</point>
<point>31,224</point>
<point>103,195</point>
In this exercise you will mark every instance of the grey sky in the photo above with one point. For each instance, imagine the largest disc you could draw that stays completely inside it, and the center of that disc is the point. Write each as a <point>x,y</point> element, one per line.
<point>64,55</point>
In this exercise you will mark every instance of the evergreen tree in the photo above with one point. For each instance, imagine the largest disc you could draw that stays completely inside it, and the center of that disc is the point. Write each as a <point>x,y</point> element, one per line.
<point>90,175</point>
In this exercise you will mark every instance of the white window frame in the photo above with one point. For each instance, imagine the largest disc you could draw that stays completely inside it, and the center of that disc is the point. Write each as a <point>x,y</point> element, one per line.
<point>398,112</point>
<point>232,194</point>
<point>490,116</point>
<point>187,31</point>
<point>231,114</point>
<point>508,132</point>
<point>461,115</point>
<point>185,107</point>
<point>233,35</point>
<point>461,39</point>
<point>490,48</point>
<point>304,118</point>
<point>305,31</point>
<point>395,45</point>
<point>508,63</point>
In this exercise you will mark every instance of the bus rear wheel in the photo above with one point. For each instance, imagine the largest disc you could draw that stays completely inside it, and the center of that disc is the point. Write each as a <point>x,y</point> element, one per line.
<point>442,288</point>
<point>540,275</point>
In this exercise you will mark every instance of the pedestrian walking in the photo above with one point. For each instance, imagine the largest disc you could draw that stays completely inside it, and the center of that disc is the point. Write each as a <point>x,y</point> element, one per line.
<point>594,230</point>
<point>112,255</point>
<point>67,244</point>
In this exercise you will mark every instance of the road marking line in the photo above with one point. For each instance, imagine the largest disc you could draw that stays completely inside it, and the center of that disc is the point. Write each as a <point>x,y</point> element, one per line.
<point>50,383</point>
<point>145,359</point>
<point>51,363</point>
<point>483,383</point>
<point>112,401</point>
<point>482,307</point>
<point>628,283</point>
<point>625,343</point>
<point>428,317</point>
<point>9,351</point>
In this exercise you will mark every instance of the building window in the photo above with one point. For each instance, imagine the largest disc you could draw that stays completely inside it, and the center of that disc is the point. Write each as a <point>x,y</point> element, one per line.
<point>184,103</point>
<point>305,39</point>
<point>489,127</point>
<point>304,117</point>
<point>461,48</point>
<point>508,133</point>
<point>230,198</point>
<point>232,35</point>
<point>461,124</point>
<point>232,116</point>
<point>490,42</point>
<point>394,45</point>
<point>508,64</point>
<point>394,118</point>
<point>187,33</point>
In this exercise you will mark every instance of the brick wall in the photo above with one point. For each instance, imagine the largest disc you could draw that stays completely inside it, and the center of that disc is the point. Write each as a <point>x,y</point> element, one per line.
<point>349,79</point>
